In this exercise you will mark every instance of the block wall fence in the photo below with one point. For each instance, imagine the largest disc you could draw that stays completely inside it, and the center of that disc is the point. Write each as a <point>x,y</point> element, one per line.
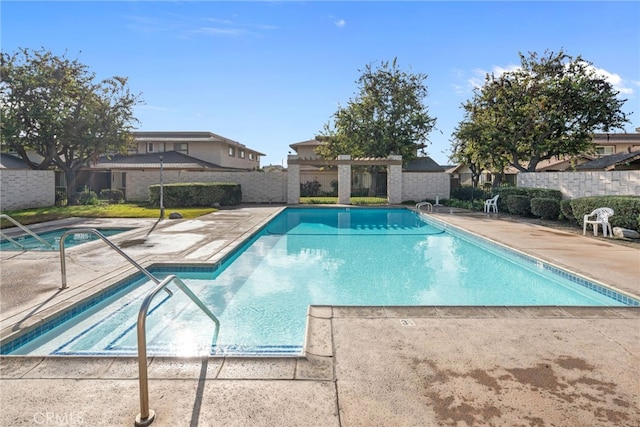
<point>584,184</point>
<point>25,189</point>
<point>257,187</point>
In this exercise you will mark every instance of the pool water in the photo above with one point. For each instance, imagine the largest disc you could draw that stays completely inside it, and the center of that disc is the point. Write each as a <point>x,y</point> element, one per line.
<point>261,294</point>
<point>53,237</point>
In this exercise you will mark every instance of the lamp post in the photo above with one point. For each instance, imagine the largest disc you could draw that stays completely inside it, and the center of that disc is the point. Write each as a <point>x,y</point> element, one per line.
<point>161,189</point>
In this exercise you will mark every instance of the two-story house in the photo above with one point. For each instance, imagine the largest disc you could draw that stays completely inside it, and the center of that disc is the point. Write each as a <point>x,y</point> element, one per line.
<point>188,151</point>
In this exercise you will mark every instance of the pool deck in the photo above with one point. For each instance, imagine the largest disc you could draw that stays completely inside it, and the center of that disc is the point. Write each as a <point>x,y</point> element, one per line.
<point>364,366</point>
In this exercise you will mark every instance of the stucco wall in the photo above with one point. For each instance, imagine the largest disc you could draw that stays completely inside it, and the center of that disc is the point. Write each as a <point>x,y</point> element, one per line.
<point>257,187</point>
<point>425,185</point>
<point>584,184</point>
<point>25,189</point>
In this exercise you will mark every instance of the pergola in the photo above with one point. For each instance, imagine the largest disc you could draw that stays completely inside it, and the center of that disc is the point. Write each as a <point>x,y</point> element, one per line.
<point>344,163</point>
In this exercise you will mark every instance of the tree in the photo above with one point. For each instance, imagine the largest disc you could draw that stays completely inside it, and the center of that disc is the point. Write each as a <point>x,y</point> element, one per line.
<point>386,117</point>
<point>52,107</point>
<point>549,107</point>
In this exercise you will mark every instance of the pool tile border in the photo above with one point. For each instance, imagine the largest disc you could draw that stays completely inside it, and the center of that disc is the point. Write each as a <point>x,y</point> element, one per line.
<point>572,277</point>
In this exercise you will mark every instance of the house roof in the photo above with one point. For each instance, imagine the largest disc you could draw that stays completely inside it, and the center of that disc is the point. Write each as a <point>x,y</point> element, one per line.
<point>9,161</point>
<point>187,136</point>
<point>423,164</point>
<point>562,164</point>
<point>309,143</point>
<point>170,160</point>
<point>616,138</point>
<point>610,162</point>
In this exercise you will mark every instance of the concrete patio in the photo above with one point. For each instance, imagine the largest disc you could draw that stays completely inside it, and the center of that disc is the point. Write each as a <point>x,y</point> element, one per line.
<point>365,366</point>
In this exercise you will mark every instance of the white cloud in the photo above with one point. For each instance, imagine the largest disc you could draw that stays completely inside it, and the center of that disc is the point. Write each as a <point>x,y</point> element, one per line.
<point>498,70</point>
<point>340,23</point>
<point>618,83</point>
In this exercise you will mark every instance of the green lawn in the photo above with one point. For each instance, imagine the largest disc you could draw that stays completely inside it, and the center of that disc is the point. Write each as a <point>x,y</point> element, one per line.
<point>142,210</point>
<point>334,200</point>
<point>120,210</point>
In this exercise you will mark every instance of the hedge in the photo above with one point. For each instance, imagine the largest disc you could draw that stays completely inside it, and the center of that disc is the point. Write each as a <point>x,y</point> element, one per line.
<point>194,194</point>
<point>626,209</point>
<point>545,208</point>
<point>518,205</point>
<point>531,193</point>
<point>113,195</point>
<point>565,208</point>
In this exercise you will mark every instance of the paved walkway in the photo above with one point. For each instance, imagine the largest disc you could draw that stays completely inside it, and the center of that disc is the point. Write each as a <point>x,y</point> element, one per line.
<point>365,366</point>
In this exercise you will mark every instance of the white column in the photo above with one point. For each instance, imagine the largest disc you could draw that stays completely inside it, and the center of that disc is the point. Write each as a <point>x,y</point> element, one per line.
<point>394,181</point>
<point>344,181</point>
<point>293,183</point>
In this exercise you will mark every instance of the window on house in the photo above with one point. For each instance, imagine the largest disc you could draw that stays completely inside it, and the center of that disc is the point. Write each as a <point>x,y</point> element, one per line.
<point>251,156</point>
<point>181,147</point>
<point>242,154</point>
<point>605,150</point>
<point>150,148</point>
<point>232,151</point>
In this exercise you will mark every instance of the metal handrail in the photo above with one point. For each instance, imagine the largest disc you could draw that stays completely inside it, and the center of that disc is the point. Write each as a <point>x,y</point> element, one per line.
<point>26,230</point>
<point>63,264</point>
<point>146,415</point>
<point>421,204</point>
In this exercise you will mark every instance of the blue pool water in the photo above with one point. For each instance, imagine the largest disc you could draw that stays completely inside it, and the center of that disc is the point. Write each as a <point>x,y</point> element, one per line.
<point>53,237</point>
<point>308,257</point>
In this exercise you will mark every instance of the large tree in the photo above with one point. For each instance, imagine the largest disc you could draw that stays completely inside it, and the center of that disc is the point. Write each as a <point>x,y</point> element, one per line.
<point>549,107</point>
<point>55,114</point>
<point>387,116</point>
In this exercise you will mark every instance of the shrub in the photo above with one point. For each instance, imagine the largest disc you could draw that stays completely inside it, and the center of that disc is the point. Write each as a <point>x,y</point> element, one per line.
<point>531,193</point>
<point>472,205</point>
<point>310,189</point>
<point>114,196</point>
<point>519,205</point>
<point>466,192</point>
<point>626,209</point>
<point>194,194</point>
<point>565,208</point>
<point>87,197</point>
<point>545,208</point>
<point>544,193</point>
<point>61,196</point>
<point>504,193</point>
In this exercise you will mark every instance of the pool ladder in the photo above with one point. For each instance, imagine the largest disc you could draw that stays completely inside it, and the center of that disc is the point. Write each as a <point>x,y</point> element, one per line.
<point>26,230</point>
<point>146,415</point>
<point>428,205</point>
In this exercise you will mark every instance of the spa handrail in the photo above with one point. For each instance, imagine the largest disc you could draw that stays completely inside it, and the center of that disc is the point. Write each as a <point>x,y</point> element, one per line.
<point>427,204</point>
<point>63,264</point>
<point>146,415</point>
<point>26,230</point>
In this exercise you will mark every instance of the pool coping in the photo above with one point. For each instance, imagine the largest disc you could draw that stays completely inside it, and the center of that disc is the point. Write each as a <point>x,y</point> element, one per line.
<point>317,361</point>
<point>120,279</point>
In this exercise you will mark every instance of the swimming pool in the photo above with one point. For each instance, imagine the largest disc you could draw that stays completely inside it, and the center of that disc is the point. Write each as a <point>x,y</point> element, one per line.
<point>261,292</point>
<point>52,237</point>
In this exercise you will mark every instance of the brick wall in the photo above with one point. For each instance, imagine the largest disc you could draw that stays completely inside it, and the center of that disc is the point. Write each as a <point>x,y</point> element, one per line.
<point>25,189</point>
<point>584,184</point>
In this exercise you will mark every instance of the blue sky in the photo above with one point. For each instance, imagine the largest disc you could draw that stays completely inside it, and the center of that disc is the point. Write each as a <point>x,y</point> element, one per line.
<point>270,74</point>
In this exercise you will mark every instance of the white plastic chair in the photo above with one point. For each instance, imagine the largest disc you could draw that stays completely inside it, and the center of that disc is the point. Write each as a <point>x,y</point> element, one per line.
<point>491,204</point>
<point>598,216</point>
